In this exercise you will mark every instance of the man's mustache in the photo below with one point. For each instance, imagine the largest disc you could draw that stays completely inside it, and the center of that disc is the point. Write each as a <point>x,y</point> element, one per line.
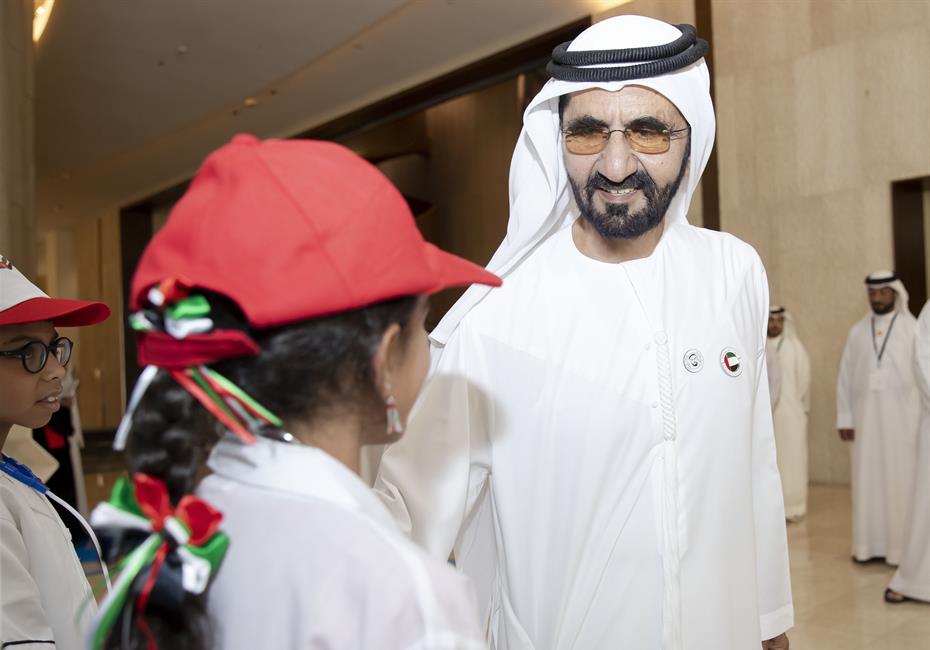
<point>638,180</point>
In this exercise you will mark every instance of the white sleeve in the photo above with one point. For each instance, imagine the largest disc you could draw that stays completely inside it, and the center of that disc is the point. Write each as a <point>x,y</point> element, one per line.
<point>922,352</point>
<point>844,412</point>
<point>776,609</point>
<point>804,377</point>
<point>432,478</point>
<point>774,374</point>
<point>23,622</point>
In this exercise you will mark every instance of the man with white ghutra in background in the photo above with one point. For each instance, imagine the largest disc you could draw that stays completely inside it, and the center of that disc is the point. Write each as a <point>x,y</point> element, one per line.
<point>912,579</point>
<point>790,408</point>
<point>878,406</point>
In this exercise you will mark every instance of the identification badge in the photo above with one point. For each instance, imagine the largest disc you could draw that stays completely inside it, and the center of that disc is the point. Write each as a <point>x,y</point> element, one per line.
<point>877,380</point>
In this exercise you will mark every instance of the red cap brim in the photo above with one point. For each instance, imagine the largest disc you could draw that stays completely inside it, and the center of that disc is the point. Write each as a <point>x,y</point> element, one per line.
<point>62,313</point>
<point>454,271</point>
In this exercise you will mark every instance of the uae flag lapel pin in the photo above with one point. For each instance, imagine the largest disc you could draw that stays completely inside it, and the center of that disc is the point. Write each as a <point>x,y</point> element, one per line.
<point>730,362</point>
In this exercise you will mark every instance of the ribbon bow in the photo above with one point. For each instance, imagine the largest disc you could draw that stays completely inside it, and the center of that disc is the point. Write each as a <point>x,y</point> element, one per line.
<point>190,531</point>
<point>176,312</point>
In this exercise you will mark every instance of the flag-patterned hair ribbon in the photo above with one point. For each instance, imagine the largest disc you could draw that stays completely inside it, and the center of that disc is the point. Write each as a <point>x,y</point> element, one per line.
<point>190,530</point>
<point>175,311</point>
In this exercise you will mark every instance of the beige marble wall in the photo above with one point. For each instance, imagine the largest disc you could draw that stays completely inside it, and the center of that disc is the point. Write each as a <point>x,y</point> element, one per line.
<point>83,261</point>
<point>17,162</point>
<point>471,143</point>
<point>820,106</point>
<point>100,350</point>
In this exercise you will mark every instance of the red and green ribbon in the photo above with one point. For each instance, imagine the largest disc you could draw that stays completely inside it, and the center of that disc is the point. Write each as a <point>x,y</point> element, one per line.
<point>191,529</point>
<point>179,313</point>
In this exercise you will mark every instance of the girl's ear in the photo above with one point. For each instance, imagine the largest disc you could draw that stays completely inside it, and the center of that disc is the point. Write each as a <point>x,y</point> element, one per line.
<point>386,356</point>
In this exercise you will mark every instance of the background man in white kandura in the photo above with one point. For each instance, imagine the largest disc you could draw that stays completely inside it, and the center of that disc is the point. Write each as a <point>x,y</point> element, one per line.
<point>790,409</point>
<point>878,405</point>
<point>596,439</point>
<point>912,579</point>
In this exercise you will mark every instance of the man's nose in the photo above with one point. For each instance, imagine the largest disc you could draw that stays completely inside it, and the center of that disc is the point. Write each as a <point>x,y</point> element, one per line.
<point>617,161</point>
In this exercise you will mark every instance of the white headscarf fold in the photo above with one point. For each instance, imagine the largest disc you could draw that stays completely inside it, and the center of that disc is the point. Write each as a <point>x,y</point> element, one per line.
<point>540,203</point>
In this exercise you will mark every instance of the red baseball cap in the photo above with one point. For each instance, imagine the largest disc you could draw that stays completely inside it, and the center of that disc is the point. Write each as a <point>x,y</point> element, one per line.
<point>289,230</point>
<point>23,302</point>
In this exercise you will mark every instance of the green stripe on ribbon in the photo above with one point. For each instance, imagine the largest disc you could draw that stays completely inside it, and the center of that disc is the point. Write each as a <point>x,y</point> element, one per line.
<point>113,604</point>
<point>196,306</point>
<point>242,396</point>
<point>208,389</point>
<point>139,322</point>
<point>123,497</point>
<point>212,551</point>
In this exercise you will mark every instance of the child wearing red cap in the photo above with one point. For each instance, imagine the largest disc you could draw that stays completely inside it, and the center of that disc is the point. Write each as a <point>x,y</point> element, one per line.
<point>281,317</point>
<point>45,600</point>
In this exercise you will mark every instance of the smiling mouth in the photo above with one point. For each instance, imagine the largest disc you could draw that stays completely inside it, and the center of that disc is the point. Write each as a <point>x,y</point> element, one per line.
<point>618,195</point>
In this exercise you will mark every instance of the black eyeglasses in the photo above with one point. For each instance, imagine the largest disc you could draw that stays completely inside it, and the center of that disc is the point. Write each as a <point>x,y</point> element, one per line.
<point>34,355</point>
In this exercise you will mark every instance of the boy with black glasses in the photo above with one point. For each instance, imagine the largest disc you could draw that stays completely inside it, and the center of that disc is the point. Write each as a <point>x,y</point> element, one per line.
<point>45,600</point>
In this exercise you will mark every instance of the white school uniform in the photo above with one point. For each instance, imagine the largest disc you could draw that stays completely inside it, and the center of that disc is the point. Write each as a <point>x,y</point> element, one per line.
<point>316,561</point>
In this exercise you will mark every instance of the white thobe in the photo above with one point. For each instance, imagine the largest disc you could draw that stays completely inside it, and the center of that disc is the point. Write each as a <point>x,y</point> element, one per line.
<point>790,414</point>
<point>600,494</point>
<point>315,561</point>
<point>45,600</point>
<point>880,402</point>
<point>774,370</point>
<point>913,576</point>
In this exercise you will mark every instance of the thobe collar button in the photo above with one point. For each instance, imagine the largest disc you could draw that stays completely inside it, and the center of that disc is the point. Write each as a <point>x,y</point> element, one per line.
<point>661,338</point>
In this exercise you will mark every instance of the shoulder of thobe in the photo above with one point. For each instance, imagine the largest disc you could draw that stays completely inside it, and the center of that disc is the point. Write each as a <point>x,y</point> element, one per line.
<point>757,290</point>
<point>742,261</point>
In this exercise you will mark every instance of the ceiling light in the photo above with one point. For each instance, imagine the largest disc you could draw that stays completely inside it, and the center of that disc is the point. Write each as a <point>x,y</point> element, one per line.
<point>42,10</point>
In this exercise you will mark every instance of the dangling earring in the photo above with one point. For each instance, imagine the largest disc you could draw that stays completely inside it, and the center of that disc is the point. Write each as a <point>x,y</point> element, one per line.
<point>394,425</point>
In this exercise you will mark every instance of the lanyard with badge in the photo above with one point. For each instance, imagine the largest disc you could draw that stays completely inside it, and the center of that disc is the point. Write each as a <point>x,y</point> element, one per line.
<point>22,474</point>
<point>877,378</point>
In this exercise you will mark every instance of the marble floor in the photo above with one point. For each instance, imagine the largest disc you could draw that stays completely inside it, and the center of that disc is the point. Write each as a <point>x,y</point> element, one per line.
<point>838,604</point>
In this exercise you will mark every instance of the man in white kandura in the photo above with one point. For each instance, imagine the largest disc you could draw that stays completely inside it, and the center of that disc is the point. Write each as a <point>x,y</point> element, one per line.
<point>912,580</point>
<point>596,439</point>
<point>878,405</point>
<point>790,409</point>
